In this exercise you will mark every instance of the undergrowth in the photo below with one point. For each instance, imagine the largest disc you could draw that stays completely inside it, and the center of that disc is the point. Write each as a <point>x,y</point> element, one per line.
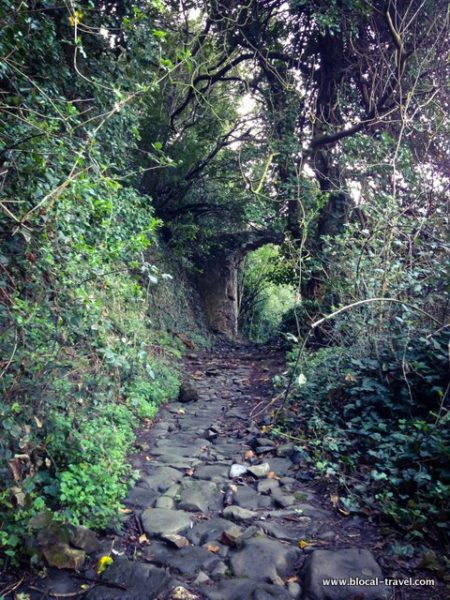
<point>376,426</point>
<point>86,361</point>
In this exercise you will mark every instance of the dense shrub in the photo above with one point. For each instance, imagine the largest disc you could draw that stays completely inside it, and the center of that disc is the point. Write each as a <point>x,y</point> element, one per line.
<point>379,427</point>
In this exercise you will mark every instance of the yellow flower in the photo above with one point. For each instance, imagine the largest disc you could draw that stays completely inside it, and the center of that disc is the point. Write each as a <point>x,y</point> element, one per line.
<point>75,18</point>
<point>103,563</point>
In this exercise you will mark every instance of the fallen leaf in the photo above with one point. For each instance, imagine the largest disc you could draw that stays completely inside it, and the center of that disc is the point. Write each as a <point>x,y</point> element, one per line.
<point>334,499</point>
<point>16,468</point>
<point>143,539</point>
<point>302,544</point>
<point>213,548</point>
<point>103,564</point>
<point>125,511</point>
<point>292,579</point>
<point>38,422</point>
<point>272,475</point>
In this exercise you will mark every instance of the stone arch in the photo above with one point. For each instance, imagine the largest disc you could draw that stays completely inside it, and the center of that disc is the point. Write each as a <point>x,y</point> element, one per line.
<point>217,278</point>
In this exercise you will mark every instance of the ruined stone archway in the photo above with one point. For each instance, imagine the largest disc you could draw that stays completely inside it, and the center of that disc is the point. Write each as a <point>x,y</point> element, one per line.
<point>217,280</point>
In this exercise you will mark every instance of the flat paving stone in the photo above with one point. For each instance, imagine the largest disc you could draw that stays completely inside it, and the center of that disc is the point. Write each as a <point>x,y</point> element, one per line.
<point>244,589</point>
<point>208,530</point>
<point>246,497</point>
<point>185,561</point>
<point>265,560</point>
<point>342,564</point>
<point>198,495</point>
<point>160,521</point>
<point>216,472</point>
<point>141,497</point>
<point>239,514</point>
<point>142,582</point>
<point>161,478</point>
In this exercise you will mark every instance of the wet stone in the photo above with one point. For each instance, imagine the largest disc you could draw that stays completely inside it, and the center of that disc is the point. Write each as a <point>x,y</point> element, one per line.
<point>294,590</point>
<point>237,470</point>
<point>281,466</point>
<point>267,486</point>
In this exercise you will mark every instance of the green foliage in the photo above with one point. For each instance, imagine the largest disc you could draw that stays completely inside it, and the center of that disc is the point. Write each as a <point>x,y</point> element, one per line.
<point>379,426</point>
<point>82,359</point>
<point>263,298</point>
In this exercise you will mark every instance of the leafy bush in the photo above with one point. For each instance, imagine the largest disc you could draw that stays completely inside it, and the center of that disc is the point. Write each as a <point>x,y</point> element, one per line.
<point>379,426</point>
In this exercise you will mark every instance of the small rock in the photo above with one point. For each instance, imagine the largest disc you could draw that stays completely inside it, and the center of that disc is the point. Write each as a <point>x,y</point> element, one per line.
<point>142,446</point>
<point>259,470</point>
<point>219,571</point>
<point>264,441</point>
<point>294,590</point>
<point>237,471</point>
<point>188,393</point>
<point>263,449</point>
<point>267,486</point>
<point>232,537</point>
<point>172,491</point>
<point>238,514</point>
<point>284,450</point>
<point>202,577</point>
<point>62,556</point>
<point>282,500</point>
<point>165,502</point>
<point>85,539</point>
<point>176,540</point>
<point>181,593</point>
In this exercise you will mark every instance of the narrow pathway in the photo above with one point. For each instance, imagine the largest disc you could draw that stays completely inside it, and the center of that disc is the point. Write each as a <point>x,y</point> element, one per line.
<point>222,512</point>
